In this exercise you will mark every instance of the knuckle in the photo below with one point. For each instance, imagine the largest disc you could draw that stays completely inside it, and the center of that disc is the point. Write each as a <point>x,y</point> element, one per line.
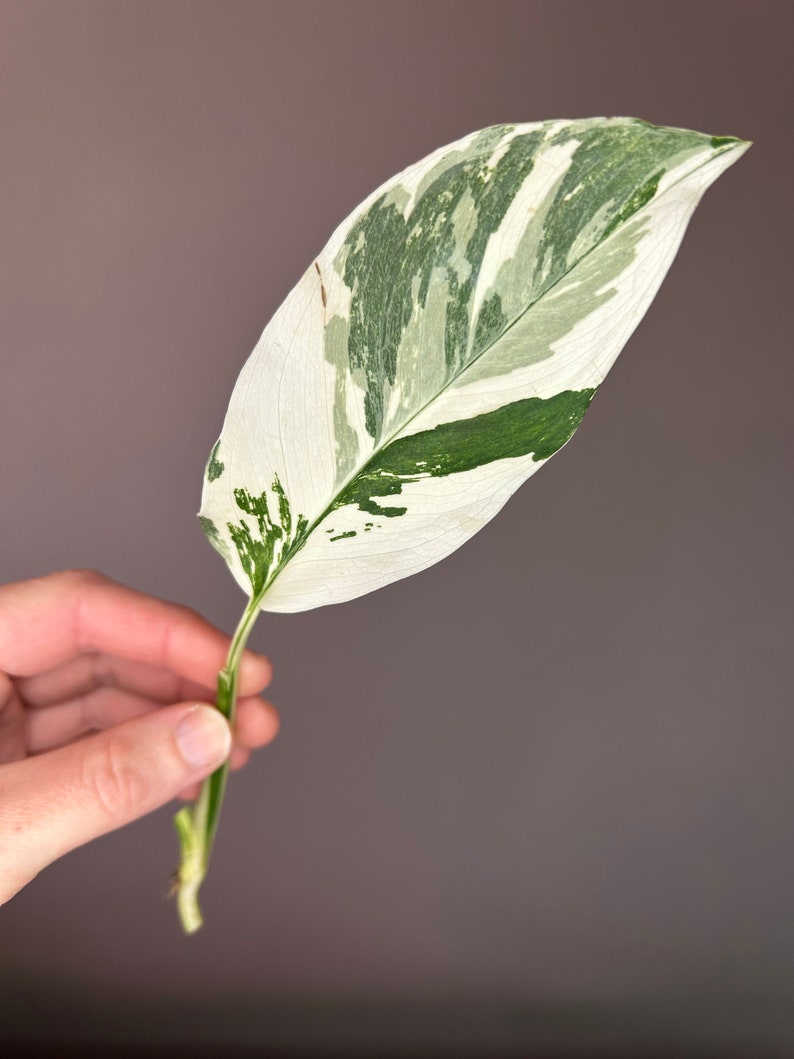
<point>102,670</point>
<point>114,782</point>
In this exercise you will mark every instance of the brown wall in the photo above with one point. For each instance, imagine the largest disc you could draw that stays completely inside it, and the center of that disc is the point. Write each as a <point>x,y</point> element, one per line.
<point>541,793</point>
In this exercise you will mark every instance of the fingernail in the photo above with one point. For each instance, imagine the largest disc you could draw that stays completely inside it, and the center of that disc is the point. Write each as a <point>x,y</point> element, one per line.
<point>203,737</point>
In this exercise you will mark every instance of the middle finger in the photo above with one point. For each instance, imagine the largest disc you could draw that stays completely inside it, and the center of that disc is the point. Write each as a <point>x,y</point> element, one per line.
<point>84,674</point>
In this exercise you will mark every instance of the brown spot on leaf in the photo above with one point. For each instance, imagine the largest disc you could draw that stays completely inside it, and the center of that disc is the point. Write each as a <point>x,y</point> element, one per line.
<point>323,293</point>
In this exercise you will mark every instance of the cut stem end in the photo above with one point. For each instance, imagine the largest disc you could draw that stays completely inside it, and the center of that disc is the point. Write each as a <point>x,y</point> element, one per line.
<point>191,872</point>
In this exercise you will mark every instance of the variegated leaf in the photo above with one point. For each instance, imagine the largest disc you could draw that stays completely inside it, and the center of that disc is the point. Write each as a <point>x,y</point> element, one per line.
<point>444,345</point>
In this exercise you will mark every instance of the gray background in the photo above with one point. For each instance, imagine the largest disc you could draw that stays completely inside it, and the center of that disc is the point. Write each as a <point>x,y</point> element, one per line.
<point>537,799</point>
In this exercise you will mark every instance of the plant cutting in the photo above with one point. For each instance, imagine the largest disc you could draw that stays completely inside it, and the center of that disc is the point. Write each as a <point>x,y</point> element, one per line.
<point>444,344</point>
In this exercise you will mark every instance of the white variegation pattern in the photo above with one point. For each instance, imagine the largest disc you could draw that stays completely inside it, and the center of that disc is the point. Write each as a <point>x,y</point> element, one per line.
<point>473,302</point>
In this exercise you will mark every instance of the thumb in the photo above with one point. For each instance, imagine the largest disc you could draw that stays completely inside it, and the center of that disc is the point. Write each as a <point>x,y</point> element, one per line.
<point>52,803</point>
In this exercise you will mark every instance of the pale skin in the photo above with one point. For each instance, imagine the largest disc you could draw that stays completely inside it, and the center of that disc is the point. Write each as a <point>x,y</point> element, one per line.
<point>106,713</point>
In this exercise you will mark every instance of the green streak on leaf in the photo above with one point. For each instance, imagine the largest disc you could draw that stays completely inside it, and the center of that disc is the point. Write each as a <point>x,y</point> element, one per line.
<point>284,513</point>
<point>636,201</point>
<point>256,556</point>
<point>609,164</point>
<point>214,537</point>
<point>390,261</point>
<point>258,507</point>
<point>533,425</point>
<point>490,323</point>
<point>214,466</point>
<point>261,555</point>
<point>341,536</point>
<point>345,438</point>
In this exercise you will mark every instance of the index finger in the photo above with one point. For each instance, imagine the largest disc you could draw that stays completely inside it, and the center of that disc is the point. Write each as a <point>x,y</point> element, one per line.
<point>47,621</point>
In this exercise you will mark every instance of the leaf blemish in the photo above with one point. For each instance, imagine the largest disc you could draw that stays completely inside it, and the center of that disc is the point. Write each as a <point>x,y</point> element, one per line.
<point>323,293</point>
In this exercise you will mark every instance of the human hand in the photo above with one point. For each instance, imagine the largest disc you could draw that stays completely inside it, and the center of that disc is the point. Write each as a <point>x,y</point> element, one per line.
<point>105,715</point>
